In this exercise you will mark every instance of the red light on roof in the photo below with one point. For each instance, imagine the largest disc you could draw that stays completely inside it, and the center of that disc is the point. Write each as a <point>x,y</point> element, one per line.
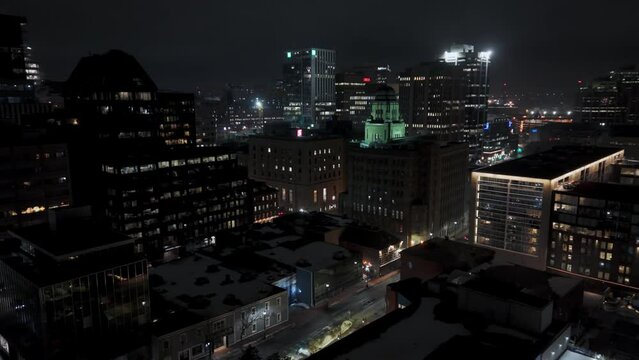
<point>366,79</point>
<point>299,133</point>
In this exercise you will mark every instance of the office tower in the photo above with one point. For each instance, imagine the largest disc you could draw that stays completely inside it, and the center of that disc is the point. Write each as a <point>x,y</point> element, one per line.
<point>411,187</point>
<point>309,86</point>
<point>17,70</point>
<point>610,100</point>
<point>307,170</point>
<point>511,201</point>
<point>209,112</point>
<point>593,232</point>
<point>174,198</point>
<point>475,66</point>
<point>72,290</point>
<point>432,97</point>
<point>354,93</point>
<point>134,159</point>
<point>176,112</point>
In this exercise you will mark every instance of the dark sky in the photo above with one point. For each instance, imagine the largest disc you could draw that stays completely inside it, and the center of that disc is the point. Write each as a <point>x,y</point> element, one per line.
<point>537,44</point>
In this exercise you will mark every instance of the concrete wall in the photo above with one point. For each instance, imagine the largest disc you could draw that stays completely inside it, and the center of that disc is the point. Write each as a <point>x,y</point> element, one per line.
<point>505,312</point>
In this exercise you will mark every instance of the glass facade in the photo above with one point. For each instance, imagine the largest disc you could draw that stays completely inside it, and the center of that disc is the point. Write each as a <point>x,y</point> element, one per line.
<point>107,305</point>
<point>509,214</point>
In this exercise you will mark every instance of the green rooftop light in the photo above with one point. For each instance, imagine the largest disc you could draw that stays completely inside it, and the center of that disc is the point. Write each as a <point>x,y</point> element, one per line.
<point>313,52</point>
<point>289,55</point>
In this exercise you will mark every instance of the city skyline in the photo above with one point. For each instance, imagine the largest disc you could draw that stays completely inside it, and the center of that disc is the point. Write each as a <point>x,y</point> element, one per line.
<point>219,42</point>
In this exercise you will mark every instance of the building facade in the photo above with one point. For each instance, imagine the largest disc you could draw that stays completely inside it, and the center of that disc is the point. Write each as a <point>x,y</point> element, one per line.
<point>73,290</point>
<point>475,67</point>
<point>175,199</point>
<point>34,177</point>
<point>307,171</point>
<point>432,97</point>
<point>609,100</point>
<point>593,232</point>
<point>193,322</point>
<point>18,73</point>
<point>309,86</point>
<point>511,201</point>
<point>410,187</point>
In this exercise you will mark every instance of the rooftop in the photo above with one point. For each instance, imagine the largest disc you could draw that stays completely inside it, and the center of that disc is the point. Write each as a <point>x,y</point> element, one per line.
<point>450,254</point>
<point>551,164</point>
<point>312,256</point>
<point>369,237</point>
<point>521,284</point>
<point>71,238</point>
<point>114,70</point>
<point>414,331</point>
<point>202,286</point>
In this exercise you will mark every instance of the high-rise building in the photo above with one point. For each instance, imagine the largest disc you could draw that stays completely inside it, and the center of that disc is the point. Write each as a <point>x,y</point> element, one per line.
<point>34,177</point>
<point>355,92</point>
<point>475,67</point>
<point>432,97</point>
<point>411,187</point>
<point>174,198</point>
<point>511,201</point>
<point>307,170</point>
<point>18,71</point>
<point>176,112</point>
<point>309,86</point>
<point>133,157</point>
<point>209,112</point>
<point>610,100</point>
<point>593,233</point>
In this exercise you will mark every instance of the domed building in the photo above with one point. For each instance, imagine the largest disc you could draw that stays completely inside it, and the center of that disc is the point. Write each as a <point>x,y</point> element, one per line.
<point>385,123</point>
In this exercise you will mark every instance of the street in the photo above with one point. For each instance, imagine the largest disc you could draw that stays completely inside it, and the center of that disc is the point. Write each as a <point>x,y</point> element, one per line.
<point>312,329</point>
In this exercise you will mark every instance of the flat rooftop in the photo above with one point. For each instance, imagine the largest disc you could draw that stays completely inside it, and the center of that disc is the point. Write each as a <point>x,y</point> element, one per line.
<point>312,256</point>
<point>71,238</point>
<point>204,287</point>
<point>616,192</point>
<point>368,237</point>
<point>450,254</point>
<point>521,284</point>
<point>413,333</point>
<point>552,163</point>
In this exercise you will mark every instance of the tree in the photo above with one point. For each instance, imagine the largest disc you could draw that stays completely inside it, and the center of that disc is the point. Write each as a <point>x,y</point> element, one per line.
<point>250,353</point>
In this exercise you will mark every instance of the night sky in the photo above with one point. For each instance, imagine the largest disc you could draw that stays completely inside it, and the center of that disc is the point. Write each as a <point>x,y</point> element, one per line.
<point>537,45</point>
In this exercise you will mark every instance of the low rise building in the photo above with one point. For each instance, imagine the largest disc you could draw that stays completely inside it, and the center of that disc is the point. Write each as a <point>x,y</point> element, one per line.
<point>74,289</point>
<point>425,327</point>
<point>379,250</point>
<point>262,202</point>
<point>323,270</point>
<point>440,256</point>
<point>202,307</point>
